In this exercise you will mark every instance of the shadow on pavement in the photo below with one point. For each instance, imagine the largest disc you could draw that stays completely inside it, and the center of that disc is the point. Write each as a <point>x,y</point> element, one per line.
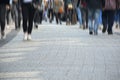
<point>9,37</point>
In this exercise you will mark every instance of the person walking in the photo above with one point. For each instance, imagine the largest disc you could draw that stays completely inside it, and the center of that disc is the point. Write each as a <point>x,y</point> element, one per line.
<point>58,10</point>
<point>50,10</point>
<point>38,17</point>
<point>4,4</point>
<point>16,10</point>
<point>28,10</point>
<point>68,11</point>
<point>84,13</point>
<point>94,7</point>
<point>78,10</point>
<point>108,13</point>
<point>118,14</point>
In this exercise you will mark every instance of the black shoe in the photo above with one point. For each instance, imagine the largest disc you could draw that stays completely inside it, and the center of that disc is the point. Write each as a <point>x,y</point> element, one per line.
<point>36,26</point>
<point>103,30</point>
<point>91,33</point>
<point>110,33</point>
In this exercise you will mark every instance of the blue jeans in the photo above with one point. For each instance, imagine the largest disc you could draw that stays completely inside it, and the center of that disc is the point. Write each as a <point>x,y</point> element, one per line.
<point>79,15</point>
<point>117,16</point>
<point>93,19</point>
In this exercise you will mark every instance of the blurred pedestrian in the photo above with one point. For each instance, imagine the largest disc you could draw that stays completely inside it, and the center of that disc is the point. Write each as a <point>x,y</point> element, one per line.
<point>117,16</point>
<point>94,7</point>
<point>38,16</point>
<point>28,9</point>
<point>58,10</point>
<point>50,10</point>
<point>84,12</point>
<point>68,10</point>
<point>4,4</point>
<point>108,13</point>
<point>16,12</point>
<point>78,10</point>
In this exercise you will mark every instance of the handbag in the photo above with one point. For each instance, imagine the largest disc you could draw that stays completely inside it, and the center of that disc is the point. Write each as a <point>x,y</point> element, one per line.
<point>70,6</point>
<point>61,10</point>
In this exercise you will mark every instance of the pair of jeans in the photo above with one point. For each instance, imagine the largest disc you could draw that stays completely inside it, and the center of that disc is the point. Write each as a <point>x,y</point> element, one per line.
<point>93,20</point>
<point>108,19</point>
<point>2,17</point>
<point>84,12</point>
<point>79,15</point>
<point>117,16</point>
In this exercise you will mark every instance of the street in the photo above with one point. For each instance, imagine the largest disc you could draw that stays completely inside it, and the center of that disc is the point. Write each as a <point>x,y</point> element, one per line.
<point>60,52</point>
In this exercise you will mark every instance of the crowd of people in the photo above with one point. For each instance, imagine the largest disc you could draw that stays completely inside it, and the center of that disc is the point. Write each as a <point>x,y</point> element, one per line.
<point>89,13</point>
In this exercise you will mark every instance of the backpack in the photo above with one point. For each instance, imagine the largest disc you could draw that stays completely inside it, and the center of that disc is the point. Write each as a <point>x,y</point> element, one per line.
<point>110,4</point>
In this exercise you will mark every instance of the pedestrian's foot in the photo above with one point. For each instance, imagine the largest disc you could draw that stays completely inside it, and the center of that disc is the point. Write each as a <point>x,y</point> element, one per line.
<point>3,35</point>
<point>117,25</point>
<point>25,36</point>
<point>36,26</point>
<point>95,33</point>
<point>29,37</point>
<point>7,26</point>
<point>91,33</point>
<point>103,30</point>
<point>110,33</point>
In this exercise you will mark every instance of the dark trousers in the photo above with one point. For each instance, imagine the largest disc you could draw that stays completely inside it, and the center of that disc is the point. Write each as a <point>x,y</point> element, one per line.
<point>58,17</point>
<point>28,15</point>
<point>41,16</point>
<point>2,17</point>
<point>50,14</point>
<point>69,15</point>
<point>8,16</point>
<point>108,19</point>
<point>38,16</point>
<point>84,12</point>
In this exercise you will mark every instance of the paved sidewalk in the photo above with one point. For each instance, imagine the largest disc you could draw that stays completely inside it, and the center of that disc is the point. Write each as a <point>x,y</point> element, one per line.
<point>10,34</point>
<point>61,53</point>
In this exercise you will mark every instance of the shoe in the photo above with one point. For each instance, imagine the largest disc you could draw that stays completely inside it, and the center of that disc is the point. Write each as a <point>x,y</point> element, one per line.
<point>29,37</point>
<point>95,33</point>
<point>7,27</point>
<point>103,30</point>
<point>110,33</point>
<point>36,26</point>
<point>91,33</point>
<point>84,27</point>
<point>3,35</point>
<point>25,36</point>
<point>81,26</point>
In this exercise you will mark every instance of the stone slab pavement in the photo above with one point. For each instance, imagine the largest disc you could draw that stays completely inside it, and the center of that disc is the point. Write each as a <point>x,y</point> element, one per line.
<point>61,53</point>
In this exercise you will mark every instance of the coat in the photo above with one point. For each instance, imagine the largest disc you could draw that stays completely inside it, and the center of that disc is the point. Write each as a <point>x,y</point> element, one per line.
<point>57,6</point>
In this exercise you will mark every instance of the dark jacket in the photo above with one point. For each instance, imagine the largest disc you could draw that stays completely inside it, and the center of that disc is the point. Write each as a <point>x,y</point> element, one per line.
<point>94,4</point>
<point>118,4</point>
<point>66,2</point>
<point>4,2</point>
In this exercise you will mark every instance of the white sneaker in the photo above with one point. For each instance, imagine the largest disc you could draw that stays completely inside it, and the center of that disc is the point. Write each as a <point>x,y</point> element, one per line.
<point>7,27</point>
<point>29,37</point>
<point>25,36</point>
